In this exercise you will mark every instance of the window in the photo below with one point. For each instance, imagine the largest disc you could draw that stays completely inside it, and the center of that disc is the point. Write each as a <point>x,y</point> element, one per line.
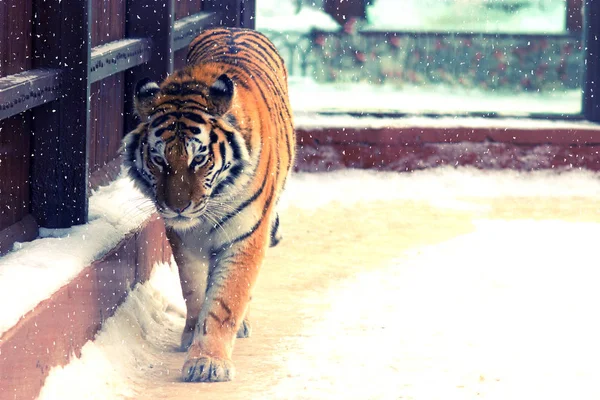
<point>501,57</point>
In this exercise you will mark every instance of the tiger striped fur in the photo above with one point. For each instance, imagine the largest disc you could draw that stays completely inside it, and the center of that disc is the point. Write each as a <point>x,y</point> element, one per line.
<point>213,151</point>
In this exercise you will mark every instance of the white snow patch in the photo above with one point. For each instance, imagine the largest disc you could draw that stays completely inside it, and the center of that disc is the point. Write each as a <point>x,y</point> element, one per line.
<point>440,186</point>
<point>479,16</point>
<point>35,270</point>
<point>306,95</point>
<point>149,318</point>
<point>283,16</point>
<point>340,121</point>
<point>504,312</point>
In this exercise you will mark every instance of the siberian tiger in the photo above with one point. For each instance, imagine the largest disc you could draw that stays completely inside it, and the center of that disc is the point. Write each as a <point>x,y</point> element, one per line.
<point>213,151</point>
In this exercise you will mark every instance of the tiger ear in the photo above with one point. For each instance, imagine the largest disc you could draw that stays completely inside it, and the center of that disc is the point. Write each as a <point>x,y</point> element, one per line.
<point>221,93</point>
<point>144,95</point>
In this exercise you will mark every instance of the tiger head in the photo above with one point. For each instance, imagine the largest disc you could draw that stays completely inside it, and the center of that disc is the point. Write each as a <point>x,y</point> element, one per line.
<point>187,151</point>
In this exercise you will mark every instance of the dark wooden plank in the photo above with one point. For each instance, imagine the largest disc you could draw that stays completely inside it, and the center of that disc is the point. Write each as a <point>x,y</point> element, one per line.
<point>248,14</point>
<point>186,29</point>
<point>60,169</point>
<point>342,11</point>
<point>106,121</point>
<point>118,56</point>
<point>185,8</point>
<point>106,174</point>
<point>108,21</point>
<point>153,20</point>
<point>15,36</point>
<point>180,59</point>
<point>26,90</point>
<point>574,15</point>
<point>233,13</point>
<point>23,231</point>
<point>591,86</point>
<point>15,158</point>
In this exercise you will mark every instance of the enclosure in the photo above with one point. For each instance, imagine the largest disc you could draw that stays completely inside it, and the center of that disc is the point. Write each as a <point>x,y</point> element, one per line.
<point>482,141</point>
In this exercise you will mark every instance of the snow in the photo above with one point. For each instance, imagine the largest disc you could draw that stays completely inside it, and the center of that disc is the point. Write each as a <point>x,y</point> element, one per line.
<point>314,121</point>
<point>442,187</point>
<point>306,95</point>
<point>476,319</point>
<point>151,310</point>
<point>33,271</point>
<point>281,16</point>
<point>501,312</point>
<point>480,16</point>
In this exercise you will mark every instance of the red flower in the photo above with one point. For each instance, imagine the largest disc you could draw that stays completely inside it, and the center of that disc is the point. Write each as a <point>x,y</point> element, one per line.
<point>320,40</point>
<point>350,26</point>
<point>360,56</point>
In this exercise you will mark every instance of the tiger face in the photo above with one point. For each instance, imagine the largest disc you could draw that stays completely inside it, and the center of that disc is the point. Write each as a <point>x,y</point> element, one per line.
<point>185,152</point>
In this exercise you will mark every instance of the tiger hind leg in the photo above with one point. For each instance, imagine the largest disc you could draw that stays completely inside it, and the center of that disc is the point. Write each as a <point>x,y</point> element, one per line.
<point>245,329</point>
<point>275,232</point>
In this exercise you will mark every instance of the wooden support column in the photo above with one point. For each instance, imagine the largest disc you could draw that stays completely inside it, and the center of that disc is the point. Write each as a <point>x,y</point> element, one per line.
<point>591,86</point>
<point>153,20</point>
<point>60,140</point>
<point>574,15</point>
<point>234,13</point>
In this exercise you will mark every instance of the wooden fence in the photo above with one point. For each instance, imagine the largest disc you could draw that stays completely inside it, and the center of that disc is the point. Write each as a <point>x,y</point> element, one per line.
<point>67,69</point>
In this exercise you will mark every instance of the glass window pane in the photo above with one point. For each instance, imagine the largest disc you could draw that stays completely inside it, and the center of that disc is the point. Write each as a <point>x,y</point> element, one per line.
<point>507,57</point>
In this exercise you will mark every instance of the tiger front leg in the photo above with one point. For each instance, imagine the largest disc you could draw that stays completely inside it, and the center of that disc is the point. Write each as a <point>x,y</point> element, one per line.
<point>227,299</point>
<point>193,273</point>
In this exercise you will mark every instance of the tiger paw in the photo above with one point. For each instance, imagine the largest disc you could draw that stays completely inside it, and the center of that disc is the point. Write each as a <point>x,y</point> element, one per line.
<point>207,369</point>
<point>245,330</point>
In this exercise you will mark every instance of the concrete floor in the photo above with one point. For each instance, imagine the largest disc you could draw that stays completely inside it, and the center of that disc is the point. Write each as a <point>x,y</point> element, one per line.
<point>483,298</point>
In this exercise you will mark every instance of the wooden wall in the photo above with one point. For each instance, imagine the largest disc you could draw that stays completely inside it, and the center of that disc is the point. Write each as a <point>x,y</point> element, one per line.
<point>106,113</point>
<point>185,8</point>
<point>15,57</point>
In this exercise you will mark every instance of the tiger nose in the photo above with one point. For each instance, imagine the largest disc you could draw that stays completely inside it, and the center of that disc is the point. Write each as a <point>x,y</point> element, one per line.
<point>180,210</point>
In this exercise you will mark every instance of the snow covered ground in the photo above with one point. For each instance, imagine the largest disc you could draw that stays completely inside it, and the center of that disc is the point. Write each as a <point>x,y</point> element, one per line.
<point>309,96</point>
<point>316,121</point>
<point>446,283</point>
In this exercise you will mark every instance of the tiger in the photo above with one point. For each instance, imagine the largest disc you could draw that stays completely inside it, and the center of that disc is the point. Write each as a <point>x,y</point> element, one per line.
<point>213,150</point>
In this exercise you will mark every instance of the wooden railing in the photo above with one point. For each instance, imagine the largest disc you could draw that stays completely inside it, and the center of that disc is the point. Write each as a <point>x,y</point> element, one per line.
<point>62,117</point>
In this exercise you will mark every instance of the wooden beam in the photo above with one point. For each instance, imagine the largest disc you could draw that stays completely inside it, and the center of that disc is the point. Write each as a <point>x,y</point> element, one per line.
<point>186,29</point>
<point>118,56</point>
<point>25,90</point>
<point>591,86</point>
<point>153,20</point>
<point>60,143</point>
<point>575,15</point>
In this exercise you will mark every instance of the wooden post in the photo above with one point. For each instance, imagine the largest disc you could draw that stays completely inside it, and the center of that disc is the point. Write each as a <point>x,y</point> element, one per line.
<point>574,15</point>
<point>234,13</point>
<point>60,142</point>
<point>343,10</point>
<point>591,88</point>
<point>154,20</point>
